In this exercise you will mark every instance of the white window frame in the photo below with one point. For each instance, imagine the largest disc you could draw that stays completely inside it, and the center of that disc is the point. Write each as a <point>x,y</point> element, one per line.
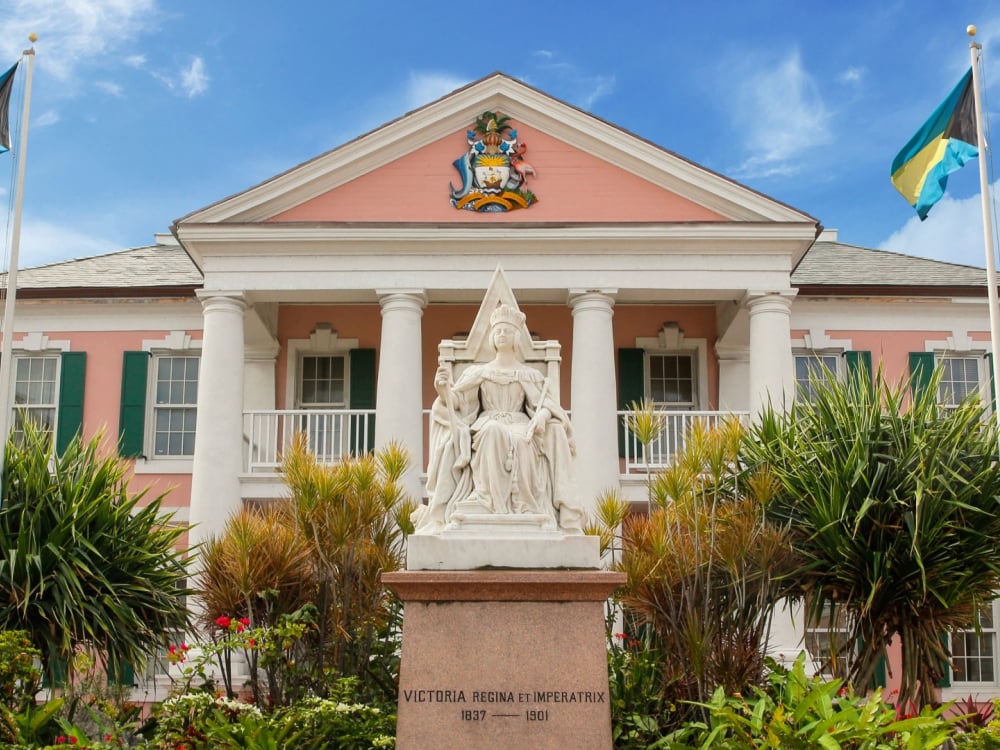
<point>36,345</point>
<point>960,345</point>
<point>173,344</point>
<point>827,636</point>
<point>982,375</point>
<point>153,408</point>
<point>839,369</point>
<point>962,688</point>
<point>671,342</point>
<point>323,341</point>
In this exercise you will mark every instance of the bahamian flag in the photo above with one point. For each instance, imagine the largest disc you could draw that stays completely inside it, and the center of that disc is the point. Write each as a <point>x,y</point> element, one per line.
<point>6,86</point>
<point>942,146</point>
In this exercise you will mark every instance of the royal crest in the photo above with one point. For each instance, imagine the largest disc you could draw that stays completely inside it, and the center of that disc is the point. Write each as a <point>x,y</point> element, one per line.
<point>494,172</point>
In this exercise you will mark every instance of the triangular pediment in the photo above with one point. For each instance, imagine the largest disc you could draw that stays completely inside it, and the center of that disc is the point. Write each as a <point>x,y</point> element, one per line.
<point>587,171</point>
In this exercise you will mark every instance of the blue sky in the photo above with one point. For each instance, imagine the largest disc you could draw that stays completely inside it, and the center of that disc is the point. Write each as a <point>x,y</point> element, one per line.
<point>146,110</point>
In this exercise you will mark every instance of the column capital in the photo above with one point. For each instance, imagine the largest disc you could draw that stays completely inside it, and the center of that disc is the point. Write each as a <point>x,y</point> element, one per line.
<point>764,302</point>
<point>220,300</point>
<point>402,299</point>
<point>591,299</point>
<point>730,352</point>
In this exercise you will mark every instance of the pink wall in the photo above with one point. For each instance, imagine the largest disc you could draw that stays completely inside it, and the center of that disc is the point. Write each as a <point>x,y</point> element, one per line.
<point>571,185</point>
<point>102,400</point>
<point>892,348</point>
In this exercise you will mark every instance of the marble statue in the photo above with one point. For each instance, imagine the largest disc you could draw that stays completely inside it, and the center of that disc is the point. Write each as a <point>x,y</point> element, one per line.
<point>500,444</point>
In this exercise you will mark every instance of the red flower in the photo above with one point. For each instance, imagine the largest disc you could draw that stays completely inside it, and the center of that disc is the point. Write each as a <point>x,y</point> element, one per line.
<point>223,621</point>
<point>245,621</point>
<point>251,643</point>
<point>72,740</point>
<point>61,739</point>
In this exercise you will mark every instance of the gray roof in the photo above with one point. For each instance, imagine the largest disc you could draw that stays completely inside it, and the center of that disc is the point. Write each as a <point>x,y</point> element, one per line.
<point>161,265</point>
<point>836,264</point>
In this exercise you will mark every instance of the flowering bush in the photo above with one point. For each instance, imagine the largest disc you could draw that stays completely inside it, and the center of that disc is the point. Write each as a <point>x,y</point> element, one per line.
<point>187,720</point>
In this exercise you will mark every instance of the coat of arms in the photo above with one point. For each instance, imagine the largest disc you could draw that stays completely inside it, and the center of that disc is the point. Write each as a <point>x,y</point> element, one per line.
<point>493,170</point>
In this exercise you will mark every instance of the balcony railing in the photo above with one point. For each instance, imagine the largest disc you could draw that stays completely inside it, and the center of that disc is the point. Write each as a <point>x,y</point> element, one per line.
<point>330,435</point>
<point>660,452</point>
<point>334,434</point>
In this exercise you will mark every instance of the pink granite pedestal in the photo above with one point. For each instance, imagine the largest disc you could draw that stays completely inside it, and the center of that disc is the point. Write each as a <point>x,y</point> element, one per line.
<point>505,659</point>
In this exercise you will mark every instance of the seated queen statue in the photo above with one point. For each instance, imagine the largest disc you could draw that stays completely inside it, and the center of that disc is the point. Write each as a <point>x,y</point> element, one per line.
<point>499,442</point>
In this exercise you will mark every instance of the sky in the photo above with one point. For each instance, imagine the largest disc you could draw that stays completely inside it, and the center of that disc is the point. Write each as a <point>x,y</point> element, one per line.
<point>143,111</point>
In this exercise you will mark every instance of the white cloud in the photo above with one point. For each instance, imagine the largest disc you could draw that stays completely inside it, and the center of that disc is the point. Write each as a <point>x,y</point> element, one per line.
<point>72,32</point>
<point>580,88</point>
<point>953,231</point>
<point>134,61</point>
<point>423,88</point>
<point>49,117</point>
<point>109,87</point>
<point>194,79</point>
<point>853,74</point>
<point>780,114</point>
<point>43,242</point>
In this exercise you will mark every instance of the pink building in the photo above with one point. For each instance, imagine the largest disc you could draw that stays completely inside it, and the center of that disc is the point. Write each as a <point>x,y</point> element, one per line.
<point>316,300</point>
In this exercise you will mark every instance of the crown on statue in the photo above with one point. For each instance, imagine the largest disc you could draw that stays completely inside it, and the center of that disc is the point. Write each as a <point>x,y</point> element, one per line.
<point>507,314</point>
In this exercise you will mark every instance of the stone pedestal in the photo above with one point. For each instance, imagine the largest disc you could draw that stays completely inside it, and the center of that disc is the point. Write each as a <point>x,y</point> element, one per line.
<point>504,659</point>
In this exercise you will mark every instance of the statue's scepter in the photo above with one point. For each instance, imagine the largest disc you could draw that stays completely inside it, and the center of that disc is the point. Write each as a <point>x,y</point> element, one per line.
<point>452,416</point>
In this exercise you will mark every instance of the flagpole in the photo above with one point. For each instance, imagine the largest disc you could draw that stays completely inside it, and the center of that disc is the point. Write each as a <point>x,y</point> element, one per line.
<point>6,348</point>
<point>975,50</point>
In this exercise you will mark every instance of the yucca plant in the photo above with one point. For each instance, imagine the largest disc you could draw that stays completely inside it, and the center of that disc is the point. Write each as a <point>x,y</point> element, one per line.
<point>705,569</point>
<point>892,501</point>
<point>82,560</point>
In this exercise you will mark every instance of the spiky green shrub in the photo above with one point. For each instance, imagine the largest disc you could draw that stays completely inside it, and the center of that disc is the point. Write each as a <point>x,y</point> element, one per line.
<point>892,501</point>
<point>317,558</point>
<point>705,569</point>
<point>82,559</point>
<point>355,516</point>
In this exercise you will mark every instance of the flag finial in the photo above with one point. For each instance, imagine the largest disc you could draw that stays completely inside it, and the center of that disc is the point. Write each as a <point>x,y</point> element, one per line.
<point>32,37</point>
<point>971,29</point>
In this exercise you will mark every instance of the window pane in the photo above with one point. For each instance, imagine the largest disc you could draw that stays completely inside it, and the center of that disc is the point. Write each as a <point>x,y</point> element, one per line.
<point>174,416</point>
<point>322,382</point>
<point>671,379</point>
<point>959,379</point>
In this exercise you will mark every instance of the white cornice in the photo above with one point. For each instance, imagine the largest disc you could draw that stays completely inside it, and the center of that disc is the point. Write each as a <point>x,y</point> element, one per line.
<point>454,113</point>
<point>276,232</point>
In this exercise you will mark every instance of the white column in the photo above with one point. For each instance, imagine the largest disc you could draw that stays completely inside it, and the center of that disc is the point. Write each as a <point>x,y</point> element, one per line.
<point>772,379</point>
<point>399,397</point>
<point>259,389</point>
<point>734,375</point>
<point>218,446</point>
<point>593,398</point>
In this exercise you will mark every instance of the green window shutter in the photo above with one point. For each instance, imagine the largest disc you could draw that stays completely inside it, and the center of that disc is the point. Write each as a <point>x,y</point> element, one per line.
<point>120,673</point>
<point>858,363</point>
<point>921,371</point>
<point>631,386</point>
<point>132,419</point>
<point>72,375</point>
<point>55,673</point>
<point>993,385</point>
<point>945,680</point>
<point>879,675</point>
<point>362,383</point>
